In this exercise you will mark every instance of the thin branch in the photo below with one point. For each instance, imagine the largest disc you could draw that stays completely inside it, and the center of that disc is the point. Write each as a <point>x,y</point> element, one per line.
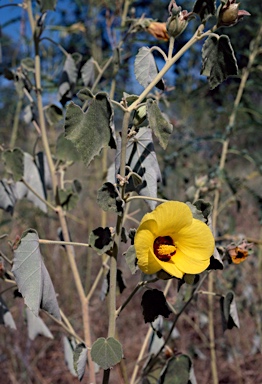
<point>44,241</point>
<point>37,195</point>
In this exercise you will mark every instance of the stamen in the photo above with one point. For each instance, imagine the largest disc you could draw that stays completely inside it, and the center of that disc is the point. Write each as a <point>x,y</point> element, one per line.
<point>164,248</point>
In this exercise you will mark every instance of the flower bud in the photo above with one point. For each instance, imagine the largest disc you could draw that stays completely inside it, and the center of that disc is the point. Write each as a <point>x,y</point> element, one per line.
<point>158,30</point>
<point>229,14</point>
<point>176,24</point>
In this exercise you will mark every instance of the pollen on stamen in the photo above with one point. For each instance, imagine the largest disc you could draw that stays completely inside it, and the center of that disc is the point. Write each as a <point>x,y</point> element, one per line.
<point>164,248</point>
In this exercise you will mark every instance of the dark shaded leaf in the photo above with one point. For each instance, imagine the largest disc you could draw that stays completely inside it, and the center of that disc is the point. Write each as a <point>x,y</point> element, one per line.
<point>106,352</point>
<point>176,370</point>
<point>218,59</point>
<point>158,123</point>
<point>154,304</point>
<point>14,161</point>
<point>28,64</point>
<point>130,256</point>
<point>205,208</point>
<point>6,317</point>
<point>36,326</point>
<point>109,200</point>
<point>46,5</point>
<point>146,68</point>
<point>79,357</point>
<point>229,311</point>
<point>65,149</point>
<point>92,130</point>
<point>44,171</point>
<point>53,114</point>
<point>68,198</point>
<point>205,8</point>
<point>7,196</point>
<point>216,261</point>
<point>32,278</point>
<point>100,240</point>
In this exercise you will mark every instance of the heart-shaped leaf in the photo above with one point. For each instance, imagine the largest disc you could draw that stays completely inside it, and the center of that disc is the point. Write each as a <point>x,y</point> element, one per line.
<point>154,304</point>
<point>14,161</point>
<point>32,278</point>
<point>92,130</point>
<point>205,8</point>
<point>146,69</point>
<point>158,123</point>
<point>218,59</point>
<point>106,352</point>
<point>176,370</point>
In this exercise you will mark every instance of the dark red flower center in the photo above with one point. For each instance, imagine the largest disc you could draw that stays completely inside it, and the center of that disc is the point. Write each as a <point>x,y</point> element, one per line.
<point>164,248</point>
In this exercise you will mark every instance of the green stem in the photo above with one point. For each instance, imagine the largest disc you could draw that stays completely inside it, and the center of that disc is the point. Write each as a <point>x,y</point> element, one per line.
<point>145,198</point>
<point>197,36</point>
<point>16,122</point>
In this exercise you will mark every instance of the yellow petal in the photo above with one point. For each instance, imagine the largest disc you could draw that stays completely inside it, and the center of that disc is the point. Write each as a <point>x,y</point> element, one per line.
<point>196,241</point>
<point>188,264</point>
<point>171,268</point>
<point>146,260</point>
<point>171,217</point>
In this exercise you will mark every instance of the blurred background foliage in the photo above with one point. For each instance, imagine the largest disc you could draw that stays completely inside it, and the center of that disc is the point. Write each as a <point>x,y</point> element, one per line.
<point>200,117</point>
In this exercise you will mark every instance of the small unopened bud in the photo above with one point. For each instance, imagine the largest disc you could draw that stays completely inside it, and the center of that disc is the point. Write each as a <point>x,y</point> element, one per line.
<point>229,14</point>
<point>176,24</point>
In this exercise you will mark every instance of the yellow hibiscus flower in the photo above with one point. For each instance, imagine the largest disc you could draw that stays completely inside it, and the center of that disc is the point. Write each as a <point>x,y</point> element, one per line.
<point>169,238</point>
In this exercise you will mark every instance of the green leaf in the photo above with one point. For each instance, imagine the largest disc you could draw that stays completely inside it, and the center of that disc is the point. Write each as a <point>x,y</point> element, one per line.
<point>205,8</point>
<point>106,352</point>
<point>146,68</point>
<point>157,122</point>
<point>88,72</point>
<point>32,278</point>
<point>36,326</point>
<point>28,64</point>
<point>65,149</point>
<point>69,347</point>
<point>53,114</point>
<point>6,317</point>
<point>130,256</point>
<point>154,304</point>
<point>92,130</point>
<point>100,240</point>
<point>79,357</point>
<point>176,370</point>
<point>14,160</point>
<point>109,200</point>
<point>141,158</point>
<point>229,313</point>
<point>218,59</point>
<point>68,198</point>
<point>46,5</point>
